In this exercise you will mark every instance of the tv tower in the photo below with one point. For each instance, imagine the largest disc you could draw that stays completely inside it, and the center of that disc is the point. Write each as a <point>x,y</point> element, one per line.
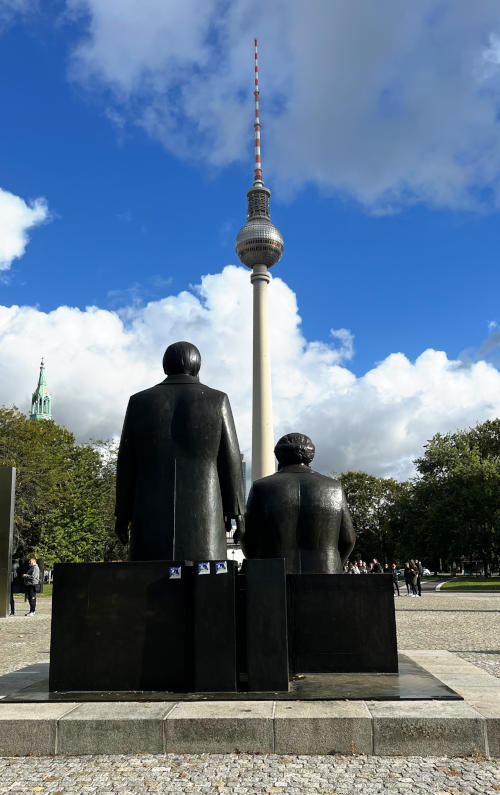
<point>259,246</point>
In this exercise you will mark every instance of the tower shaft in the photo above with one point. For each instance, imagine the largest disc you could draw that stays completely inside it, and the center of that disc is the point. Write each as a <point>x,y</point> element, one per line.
<point>262,404</point>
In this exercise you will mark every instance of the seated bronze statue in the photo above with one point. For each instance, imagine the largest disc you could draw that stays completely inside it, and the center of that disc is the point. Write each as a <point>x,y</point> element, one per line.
<point>298,514</point>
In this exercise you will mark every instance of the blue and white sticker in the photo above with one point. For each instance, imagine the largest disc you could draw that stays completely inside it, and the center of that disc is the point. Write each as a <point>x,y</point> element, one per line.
<point>204,567</point>
<point>221,566</point>
<point>174,573</point>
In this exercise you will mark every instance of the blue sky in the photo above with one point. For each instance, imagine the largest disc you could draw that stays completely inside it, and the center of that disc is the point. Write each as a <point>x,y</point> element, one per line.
<point>134,126</point>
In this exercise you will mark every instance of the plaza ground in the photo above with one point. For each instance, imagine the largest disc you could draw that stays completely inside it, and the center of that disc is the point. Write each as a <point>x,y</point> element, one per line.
<point>466,624</point>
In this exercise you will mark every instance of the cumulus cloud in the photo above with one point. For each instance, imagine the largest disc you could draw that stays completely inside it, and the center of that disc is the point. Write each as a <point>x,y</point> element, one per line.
<point>17,217</point>
<point>378,422</point>
<point>385,102</point>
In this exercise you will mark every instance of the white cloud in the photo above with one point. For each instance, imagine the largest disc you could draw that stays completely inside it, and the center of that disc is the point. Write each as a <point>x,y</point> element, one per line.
<point>386,102</point>
<point>17,217</point>
<point>378,423</point>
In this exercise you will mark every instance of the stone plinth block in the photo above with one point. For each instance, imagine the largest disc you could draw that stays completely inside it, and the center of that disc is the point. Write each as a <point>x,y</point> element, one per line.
<point>113,728</point>
<point>323,727</point>
<point>339,623</point>
<point>426,728</point>
<point>30,729</point>
<point>220,727</point>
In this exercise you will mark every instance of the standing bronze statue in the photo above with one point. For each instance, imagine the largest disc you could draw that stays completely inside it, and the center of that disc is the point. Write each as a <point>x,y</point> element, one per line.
<point>179,473</point>
<point>298,514</point>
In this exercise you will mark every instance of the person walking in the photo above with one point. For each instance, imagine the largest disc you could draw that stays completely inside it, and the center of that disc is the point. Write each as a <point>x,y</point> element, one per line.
<point>414,573</point>
<point>420,573</point>
<point>395,579</point>
<point>32,585</point>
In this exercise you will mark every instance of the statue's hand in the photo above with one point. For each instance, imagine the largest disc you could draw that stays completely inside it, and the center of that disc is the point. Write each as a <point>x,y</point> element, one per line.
<point>121,530</point>
<point>240,529</point>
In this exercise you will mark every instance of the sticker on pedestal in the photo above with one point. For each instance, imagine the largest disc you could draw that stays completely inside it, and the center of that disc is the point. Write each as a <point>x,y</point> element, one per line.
<point>204,567</point>
<point>174,573</point>
<point>221,566</point>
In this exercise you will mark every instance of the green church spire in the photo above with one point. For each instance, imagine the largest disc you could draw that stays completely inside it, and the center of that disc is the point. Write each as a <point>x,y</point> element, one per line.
<point>41,402</point>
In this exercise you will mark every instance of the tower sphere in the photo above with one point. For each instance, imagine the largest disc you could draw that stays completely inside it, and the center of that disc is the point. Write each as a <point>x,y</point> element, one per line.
<point>259,241</point>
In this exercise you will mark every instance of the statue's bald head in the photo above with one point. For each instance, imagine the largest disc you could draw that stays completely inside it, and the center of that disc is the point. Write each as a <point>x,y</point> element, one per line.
<point>294,448</point>
<point>182,358</point>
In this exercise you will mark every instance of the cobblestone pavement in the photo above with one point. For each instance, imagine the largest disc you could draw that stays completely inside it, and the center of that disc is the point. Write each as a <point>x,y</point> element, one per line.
<point>242,773</point>
<point>466,624</point>
<point>24,641</point>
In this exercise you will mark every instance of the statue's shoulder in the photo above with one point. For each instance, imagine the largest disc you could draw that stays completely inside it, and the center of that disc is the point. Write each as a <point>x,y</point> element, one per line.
<point>215,394</point>
<point>144,394</point>
<point>328,482</point>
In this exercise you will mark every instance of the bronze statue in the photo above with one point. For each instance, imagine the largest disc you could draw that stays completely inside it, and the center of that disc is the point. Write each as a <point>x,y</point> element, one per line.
<point>298,514</point>
<point>179,473</point>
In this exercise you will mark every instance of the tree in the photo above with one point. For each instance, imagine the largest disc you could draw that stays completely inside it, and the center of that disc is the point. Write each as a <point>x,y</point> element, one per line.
<point>372,502</point>
<point>41,453</point>
<point>457,493</point>
<point>64,491</point>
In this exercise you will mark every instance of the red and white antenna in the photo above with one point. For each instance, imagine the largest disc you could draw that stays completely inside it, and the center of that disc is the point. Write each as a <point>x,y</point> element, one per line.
<point>258,164</point>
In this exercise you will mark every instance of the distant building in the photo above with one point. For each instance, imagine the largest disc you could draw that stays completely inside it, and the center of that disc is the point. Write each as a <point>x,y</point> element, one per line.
<point>41,402</point>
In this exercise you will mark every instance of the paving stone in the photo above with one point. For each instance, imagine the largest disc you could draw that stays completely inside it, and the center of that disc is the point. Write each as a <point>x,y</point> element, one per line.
<point>248,774</point>
<point>419,727</point>
<point>113,728</point>
<point>30,728</point>
<point>323,727</point>
<point>220,727</point>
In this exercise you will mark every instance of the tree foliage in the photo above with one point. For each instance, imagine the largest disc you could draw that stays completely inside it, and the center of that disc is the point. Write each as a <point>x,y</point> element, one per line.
<point>64,491</point>
<point>372,503</point>
<point>449,511</point>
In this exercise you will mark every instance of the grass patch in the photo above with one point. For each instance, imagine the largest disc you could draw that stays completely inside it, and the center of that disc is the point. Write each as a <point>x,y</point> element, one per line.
<point>473,584</point>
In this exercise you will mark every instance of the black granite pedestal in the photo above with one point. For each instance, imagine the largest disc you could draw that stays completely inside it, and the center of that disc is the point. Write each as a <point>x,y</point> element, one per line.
<point>339,623</point>
<point>213,626</point>
<point>121,626</point>
<point>165,626</point>
<point>266,624</point>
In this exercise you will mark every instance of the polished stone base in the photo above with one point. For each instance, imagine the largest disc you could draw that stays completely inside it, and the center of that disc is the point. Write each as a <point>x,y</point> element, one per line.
<point>411,682</point>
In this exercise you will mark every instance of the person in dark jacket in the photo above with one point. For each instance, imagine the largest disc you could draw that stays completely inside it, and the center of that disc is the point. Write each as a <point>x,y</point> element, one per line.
<point>376,568</point>
<point>31,581</point>
<point>408,575</point>
<point>419,570</point>
<point>395,579</point>
<point>179,473</point>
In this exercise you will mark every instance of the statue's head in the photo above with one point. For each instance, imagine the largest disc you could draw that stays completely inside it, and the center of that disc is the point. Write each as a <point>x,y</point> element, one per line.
<point>294,448</point>
<point>182,358</point>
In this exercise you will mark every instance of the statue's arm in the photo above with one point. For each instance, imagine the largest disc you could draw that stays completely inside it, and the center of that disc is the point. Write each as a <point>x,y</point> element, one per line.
<point>249,539</point>
<point>347,535</point>
<point>125,480</point>
<point>230,469</point>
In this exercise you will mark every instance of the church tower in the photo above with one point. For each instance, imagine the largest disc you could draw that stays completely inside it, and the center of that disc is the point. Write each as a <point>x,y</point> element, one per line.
<point>41,402</point>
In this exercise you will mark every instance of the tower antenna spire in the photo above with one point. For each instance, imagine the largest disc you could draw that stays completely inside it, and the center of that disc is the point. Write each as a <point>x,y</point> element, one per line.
<point>258,163</point>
